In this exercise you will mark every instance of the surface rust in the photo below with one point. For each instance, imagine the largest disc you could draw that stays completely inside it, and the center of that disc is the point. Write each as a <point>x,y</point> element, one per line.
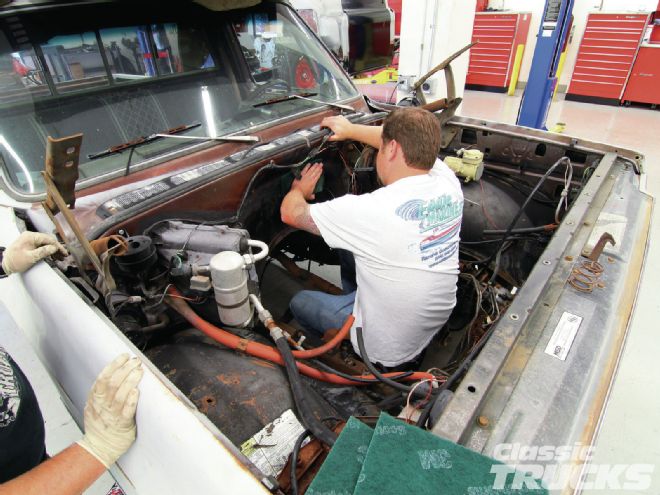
<point>264,364</point>
<point>207,402</point>
<point>229,379</point>
<point>62,157</point>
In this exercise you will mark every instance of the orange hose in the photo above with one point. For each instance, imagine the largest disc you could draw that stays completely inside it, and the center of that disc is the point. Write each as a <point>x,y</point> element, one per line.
<point>334,342</point>
<point>267,352</point>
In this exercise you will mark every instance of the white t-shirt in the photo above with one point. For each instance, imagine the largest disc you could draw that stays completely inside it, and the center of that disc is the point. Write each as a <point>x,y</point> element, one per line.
<point>405,241</point>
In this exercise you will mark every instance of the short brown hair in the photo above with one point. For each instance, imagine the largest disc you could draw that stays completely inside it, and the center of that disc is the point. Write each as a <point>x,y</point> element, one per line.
<point>417,131</point>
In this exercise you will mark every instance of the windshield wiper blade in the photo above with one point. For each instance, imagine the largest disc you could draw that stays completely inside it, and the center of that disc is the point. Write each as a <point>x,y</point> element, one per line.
<point>282,98</point>
<point>170,133</point>
<point>141,140</point>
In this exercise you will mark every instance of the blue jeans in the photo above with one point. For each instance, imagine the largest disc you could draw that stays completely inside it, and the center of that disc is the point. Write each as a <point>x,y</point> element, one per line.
<point>317,311</point>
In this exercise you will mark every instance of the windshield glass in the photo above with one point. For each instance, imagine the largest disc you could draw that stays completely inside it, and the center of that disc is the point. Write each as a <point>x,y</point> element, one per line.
<point>120,77</point>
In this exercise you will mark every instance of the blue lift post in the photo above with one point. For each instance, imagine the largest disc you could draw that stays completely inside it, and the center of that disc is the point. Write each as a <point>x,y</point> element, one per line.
<point>553,32</point>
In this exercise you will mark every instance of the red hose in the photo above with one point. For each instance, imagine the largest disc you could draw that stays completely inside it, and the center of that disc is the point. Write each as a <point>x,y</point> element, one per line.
<point>267,352</point>
<point>334,342</point>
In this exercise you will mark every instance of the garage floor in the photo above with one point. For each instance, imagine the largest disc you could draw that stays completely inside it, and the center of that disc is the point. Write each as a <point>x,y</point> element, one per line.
<point>629,433</point>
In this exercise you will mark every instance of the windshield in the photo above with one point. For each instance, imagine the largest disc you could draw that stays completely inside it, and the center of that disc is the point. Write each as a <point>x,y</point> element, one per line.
<point>120,77</point>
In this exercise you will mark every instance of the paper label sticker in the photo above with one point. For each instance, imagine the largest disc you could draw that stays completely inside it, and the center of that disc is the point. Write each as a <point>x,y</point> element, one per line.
<point>563,336</point>
<point>271,447</point>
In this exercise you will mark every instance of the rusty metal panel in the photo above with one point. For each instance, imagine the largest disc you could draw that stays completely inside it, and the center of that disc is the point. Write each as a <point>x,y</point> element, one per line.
<point>62,157</point>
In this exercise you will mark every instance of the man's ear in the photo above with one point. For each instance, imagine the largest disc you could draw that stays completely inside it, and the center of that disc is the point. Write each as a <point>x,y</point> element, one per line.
<point>392,149</point>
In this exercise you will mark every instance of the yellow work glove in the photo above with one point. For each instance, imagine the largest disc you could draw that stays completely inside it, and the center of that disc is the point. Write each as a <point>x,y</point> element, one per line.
<point>110,410</point>
<point>28,249</point>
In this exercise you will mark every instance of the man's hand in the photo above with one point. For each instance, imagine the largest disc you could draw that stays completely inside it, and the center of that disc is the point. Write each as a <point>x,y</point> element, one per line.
<point>28,249</point>
<point>344,129</point>
<point>340,126</point>
<point>295,209</point>
<point>309,176</point>
<point>110,410</point>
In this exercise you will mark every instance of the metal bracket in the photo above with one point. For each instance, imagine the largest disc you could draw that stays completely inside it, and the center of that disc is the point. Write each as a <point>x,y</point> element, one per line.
<point>597,250</point>
<point>449,75</point>
<point>449,104</point>
<point>62,156</point>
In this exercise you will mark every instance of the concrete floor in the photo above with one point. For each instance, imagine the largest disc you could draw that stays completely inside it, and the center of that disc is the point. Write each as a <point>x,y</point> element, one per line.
<point>629,432</point>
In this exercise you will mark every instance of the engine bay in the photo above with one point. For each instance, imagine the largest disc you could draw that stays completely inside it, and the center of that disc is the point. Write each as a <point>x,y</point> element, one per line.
<point>201,292</point>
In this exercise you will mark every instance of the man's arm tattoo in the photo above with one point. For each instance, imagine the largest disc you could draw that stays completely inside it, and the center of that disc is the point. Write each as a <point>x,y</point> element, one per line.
<point>304,219</point>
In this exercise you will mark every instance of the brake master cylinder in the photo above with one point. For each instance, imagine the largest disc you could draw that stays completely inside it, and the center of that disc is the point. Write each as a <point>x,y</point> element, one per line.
<point>230,277</point>
<point>469,164</point>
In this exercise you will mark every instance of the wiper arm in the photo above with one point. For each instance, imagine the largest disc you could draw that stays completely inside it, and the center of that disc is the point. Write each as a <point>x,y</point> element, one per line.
<point>320,102</point>
<point>141,140</point>
<point>170,133</point>
<point>304,96</point>
<point>232,139</point>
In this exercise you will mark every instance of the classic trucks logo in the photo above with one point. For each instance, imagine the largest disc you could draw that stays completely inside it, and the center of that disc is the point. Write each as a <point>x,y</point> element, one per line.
<point>534,467</point>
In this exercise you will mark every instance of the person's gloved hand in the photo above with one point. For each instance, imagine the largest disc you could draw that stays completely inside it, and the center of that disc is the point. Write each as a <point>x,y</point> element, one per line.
<point>110,410</point>
<point>28,249</point>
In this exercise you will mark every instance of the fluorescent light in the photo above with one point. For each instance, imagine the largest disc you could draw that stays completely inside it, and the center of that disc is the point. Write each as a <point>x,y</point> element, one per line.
<point>18,160</point>
<point>208,112</point>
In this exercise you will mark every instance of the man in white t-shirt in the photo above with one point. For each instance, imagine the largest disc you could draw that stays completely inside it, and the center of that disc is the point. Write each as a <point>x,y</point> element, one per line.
<point>404,237</point>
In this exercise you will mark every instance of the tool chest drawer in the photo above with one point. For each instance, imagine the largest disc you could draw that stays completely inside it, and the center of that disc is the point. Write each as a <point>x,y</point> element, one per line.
<point>606,55</point>
<point>491,59</point>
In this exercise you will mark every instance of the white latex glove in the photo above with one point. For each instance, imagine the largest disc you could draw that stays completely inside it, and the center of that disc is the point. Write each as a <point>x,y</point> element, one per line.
<point>28,249</point>
<point>110,410</point>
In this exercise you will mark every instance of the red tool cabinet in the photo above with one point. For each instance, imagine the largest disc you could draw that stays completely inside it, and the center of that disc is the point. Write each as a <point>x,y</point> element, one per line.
<point>644,82</point>
<point>491,59</point>
<point>606,55</point>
